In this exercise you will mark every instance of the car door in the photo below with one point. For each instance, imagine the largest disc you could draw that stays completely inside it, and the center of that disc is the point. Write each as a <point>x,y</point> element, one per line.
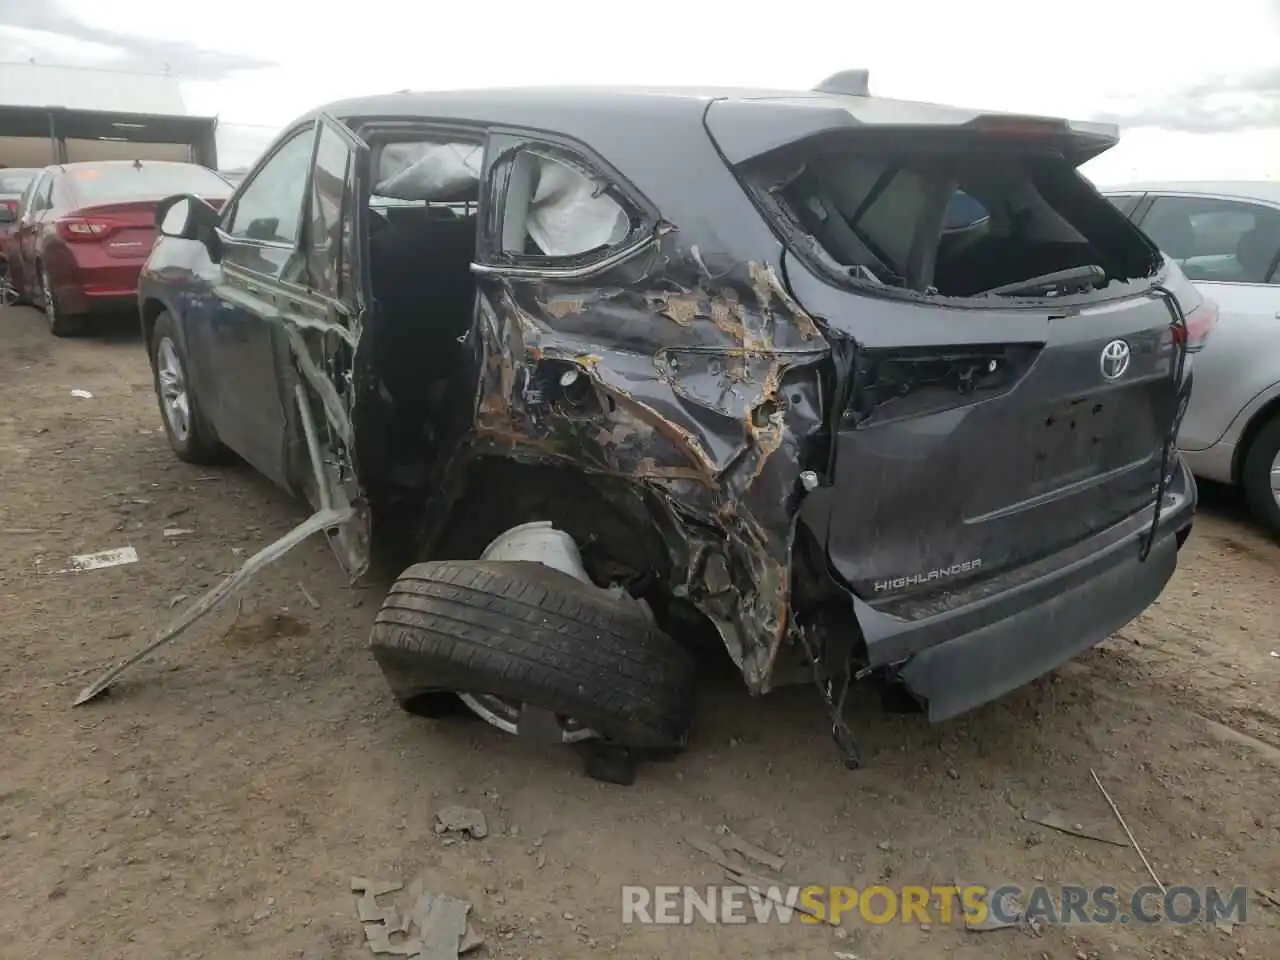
<point>322,320</point>
<point>240,342</point>
<point>1229,248</point>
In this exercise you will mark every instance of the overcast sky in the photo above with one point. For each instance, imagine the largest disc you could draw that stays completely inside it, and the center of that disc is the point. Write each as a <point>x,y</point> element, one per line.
<point>1198,96</point>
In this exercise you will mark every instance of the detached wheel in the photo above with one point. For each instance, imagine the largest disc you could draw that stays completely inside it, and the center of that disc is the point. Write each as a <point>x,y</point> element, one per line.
<point>1261,476</point>
<point>535,652</point>
<point>189,433</point>
<point>60,324</point>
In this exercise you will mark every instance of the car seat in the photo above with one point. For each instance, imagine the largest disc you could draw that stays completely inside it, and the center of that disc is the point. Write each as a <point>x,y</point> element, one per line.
<point>1256,253</point>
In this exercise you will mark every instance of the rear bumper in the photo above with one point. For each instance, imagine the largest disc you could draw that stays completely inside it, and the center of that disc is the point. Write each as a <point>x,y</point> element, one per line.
<point>94,288</point>
<point>1058,608</point>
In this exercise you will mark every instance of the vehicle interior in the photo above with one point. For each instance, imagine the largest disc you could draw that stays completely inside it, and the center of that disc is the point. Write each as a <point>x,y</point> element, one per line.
<point>422,238</point>
<point>893,219</point>
<point>422,241</point>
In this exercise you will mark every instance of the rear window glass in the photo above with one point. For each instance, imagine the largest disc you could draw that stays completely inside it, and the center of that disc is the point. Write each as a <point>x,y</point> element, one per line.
<point>15,181</point>
<point>127,180</point>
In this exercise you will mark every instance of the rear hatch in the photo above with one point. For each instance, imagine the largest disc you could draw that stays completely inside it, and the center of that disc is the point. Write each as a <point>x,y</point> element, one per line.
<point>963,458</point>
<point>979,422</point>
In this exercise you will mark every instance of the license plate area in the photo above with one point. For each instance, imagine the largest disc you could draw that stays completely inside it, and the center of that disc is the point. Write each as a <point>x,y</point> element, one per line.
<point>1072,441</point>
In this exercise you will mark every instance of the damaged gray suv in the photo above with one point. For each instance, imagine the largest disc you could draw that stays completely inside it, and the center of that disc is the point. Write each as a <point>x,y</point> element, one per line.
<point>859,387</point>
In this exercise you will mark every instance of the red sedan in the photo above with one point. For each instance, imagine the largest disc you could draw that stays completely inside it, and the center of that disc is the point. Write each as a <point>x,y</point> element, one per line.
<point>85,230</point>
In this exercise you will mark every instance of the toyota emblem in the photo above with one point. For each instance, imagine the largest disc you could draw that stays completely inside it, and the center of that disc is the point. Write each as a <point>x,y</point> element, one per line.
<point>1115,359</point>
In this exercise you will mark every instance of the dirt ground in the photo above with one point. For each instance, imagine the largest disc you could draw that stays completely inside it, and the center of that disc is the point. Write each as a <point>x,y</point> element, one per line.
<point>217,803</point>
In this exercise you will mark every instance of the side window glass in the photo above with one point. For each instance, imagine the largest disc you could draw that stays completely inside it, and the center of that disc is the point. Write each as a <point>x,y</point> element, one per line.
<point>270,207</point>
<point>45,195</point>
<point>329,238</point>
<point>556,209</point>
<point>28,201</point>
<point>41,190</point>
<point>1126,203</point>
<point>1228,241</point>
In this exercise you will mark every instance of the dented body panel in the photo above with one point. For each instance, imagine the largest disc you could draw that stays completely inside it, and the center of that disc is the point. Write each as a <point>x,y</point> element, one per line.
<point>704,388</point>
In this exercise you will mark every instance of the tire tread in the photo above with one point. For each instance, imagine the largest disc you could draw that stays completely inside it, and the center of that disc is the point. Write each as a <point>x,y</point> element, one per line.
<point>529,632</point>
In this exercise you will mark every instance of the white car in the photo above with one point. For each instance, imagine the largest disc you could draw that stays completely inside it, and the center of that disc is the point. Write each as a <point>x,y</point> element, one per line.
<point>1226,238</point>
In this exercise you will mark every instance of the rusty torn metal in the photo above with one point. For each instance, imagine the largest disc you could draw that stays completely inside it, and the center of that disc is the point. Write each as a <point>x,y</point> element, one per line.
<point>700,384</point>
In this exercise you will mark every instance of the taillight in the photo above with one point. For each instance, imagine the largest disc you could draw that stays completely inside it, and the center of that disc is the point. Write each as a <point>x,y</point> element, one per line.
<point>914,382</point>
<point>11,206</point>
<point>83,228</point>
<point>1200,323</point>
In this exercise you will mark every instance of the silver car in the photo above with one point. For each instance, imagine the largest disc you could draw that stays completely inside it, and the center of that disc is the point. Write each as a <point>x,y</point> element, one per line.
<point>1226,238</point>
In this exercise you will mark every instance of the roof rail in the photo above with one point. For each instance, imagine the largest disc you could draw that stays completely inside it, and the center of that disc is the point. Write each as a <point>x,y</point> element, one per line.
<point>853,83</point>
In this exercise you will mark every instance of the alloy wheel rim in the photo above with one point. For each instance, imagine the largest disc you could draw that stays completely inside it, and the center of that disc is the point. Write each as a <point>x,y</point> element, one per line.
<point>1275,478</point>
<point>506,714</point>
<point>46,294</point>
<point>174,399</point>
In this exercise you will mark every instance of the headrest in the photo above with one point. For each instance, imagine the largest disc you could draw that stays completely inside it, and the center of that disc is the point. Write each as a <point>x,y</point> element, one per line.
<point>1256,250</point>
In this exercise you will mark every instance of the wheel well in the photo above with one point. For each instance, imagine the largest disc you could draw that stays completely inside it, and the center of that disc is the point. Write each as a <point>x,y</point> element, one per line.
<point>151,310</point>
<point>1260,419</point>
<point>607,516</point>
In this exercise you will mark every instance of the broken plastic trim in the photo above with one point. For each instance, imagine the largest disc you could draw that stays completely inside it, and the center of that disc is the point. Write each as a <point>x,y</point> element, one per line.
<point>317,522</point>
<point>325,519</point>
<point>850,754</point>
<point>1178,331</point>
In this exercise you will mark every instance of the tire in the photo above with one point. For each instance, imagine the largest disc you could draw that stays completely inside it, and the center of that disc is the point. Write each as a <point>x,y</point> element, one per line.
<point>529,633</point>
<point>1256,476</point>
<point>197,443</point>
<point>60,324</point>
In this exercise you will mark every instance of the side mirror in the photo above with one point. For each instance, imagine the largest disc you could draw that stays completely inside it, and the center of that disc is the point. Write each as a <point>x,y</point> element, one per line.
<point>185,217</point>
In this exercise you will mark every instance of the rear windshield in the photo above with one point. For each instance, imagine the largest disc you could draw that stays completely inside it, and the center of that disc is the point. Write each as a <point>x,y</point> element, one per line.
<point>15,181</point>
<point>127,181</point>
<point>951,219</point>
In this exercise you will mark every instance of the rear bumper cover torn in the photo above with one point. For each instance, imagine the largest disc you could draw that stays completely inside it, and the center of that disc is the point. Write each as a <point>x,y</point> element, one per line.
<point>973,654</point>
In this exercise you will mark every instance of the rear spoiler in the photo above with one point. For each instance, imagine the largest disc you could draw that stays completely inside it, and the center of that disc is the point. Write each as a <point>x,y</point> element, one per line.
<point>749,128</point>
<point>1081,140</point>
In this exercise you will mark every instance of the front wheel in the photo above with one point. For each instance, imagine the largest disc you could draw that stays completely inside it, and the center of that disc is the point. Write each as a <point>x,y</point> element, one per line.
<point>189,433</point>
<point>1261,476</point>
